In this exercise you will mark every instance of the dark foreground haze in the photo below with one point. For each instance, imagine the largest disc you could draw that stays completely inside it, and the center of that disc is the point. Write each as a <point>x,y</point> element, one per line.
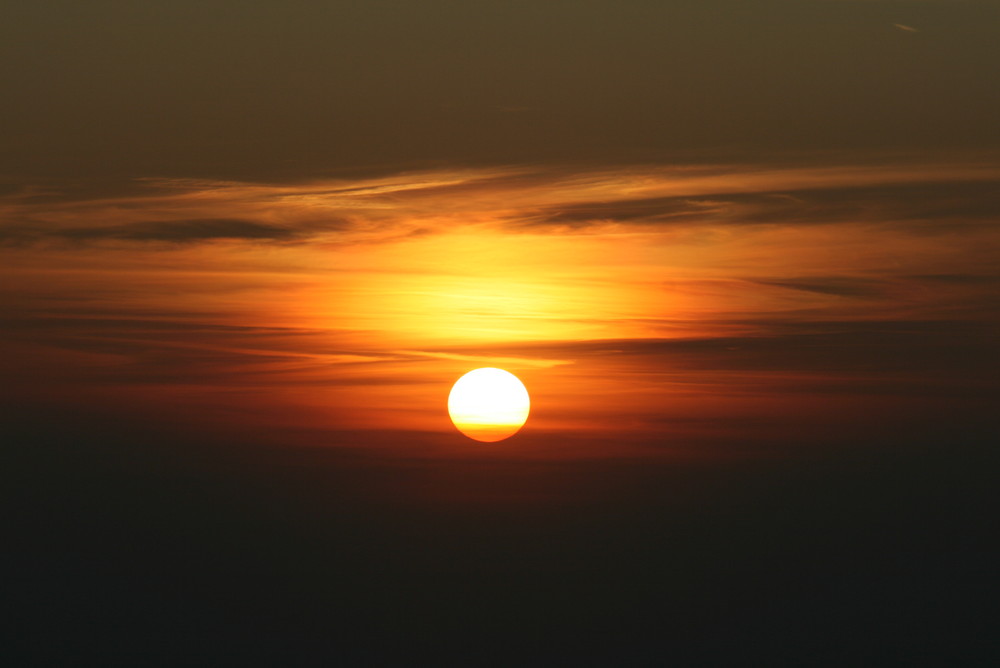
<point>155,547</point>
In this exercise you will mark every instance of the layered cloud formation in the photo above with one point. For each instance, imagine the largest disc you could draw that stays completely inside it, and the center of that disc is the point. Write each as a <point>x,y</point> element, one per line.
<point>684,285</point>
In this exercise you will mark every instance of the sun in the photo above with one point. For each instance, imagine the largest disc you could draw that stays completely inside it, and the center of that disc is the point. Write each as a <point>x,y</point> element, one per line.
<point>488,404</point>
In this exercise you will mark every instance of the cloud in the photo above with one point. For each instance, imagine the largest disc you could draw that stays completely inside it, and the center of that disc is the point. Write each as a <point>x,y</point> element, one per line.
<point>914,202</point>
<point>840,286</point>
<point>184,231</point>
<point>647,288</point>
<point>959,279</point>
<point>487,359</point>
<point>921,197</point>
<point>960,349</point>
<point>180,349</point>
<point>535,199</point>
<point>162,231</point>
<point>191,211</point>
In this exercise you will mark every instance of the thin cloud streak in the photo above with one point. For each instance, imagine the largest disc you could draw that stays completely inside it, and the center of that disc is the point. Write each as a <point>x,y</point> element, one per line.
<point>170,232</point>
<point>388,209</point>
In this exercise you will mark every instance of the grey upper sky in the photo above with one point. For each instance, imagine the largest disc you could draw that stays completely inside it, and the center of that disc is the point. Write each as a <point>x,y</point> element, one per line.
<point>293,89</point>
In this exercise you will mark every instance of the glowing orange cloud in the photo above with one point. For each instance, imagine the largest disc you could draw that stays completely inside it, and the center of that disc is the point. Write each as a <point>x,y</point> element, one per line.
<point>372,295</point>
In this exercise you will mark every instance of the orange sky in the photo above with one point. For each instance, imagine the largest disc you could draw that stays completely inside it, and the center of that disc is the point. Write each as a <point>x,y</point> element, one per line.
<point>677,301</point>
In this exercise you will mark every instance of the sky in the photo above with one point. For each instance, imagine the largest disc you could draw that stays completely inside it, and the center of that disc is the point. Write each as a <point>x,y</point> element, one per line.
<point>742,254</point>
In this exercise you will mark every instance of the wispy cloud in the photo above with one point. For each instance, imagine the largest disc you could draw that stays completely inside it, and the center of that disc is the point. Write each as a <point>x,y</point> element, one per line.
<point>488,359</point>
<point>374,291</point>
<point>381,210</point>
<point>841,286</point>
<point>172,231</point>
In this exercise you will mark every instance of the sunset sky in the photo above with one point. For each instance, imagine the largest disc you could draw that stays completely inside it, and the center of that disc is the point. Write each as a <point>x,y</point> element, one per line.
<point>720,239</point>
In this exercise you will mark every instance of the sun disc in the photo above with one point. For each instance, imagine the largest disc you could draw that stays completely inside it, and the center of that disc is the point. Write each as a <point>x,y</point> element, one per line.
<point>488,404</point>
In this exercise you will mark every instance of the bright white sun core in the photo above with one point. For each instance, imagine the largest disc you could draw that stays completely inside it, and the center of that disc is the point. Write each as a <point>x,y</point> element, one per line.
<point>488,404</point>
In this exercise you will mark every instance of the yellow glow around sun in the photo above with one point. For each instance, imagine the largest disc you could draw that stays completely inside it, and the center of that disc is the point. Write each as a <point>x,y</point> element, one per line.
<point>488,404</point>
